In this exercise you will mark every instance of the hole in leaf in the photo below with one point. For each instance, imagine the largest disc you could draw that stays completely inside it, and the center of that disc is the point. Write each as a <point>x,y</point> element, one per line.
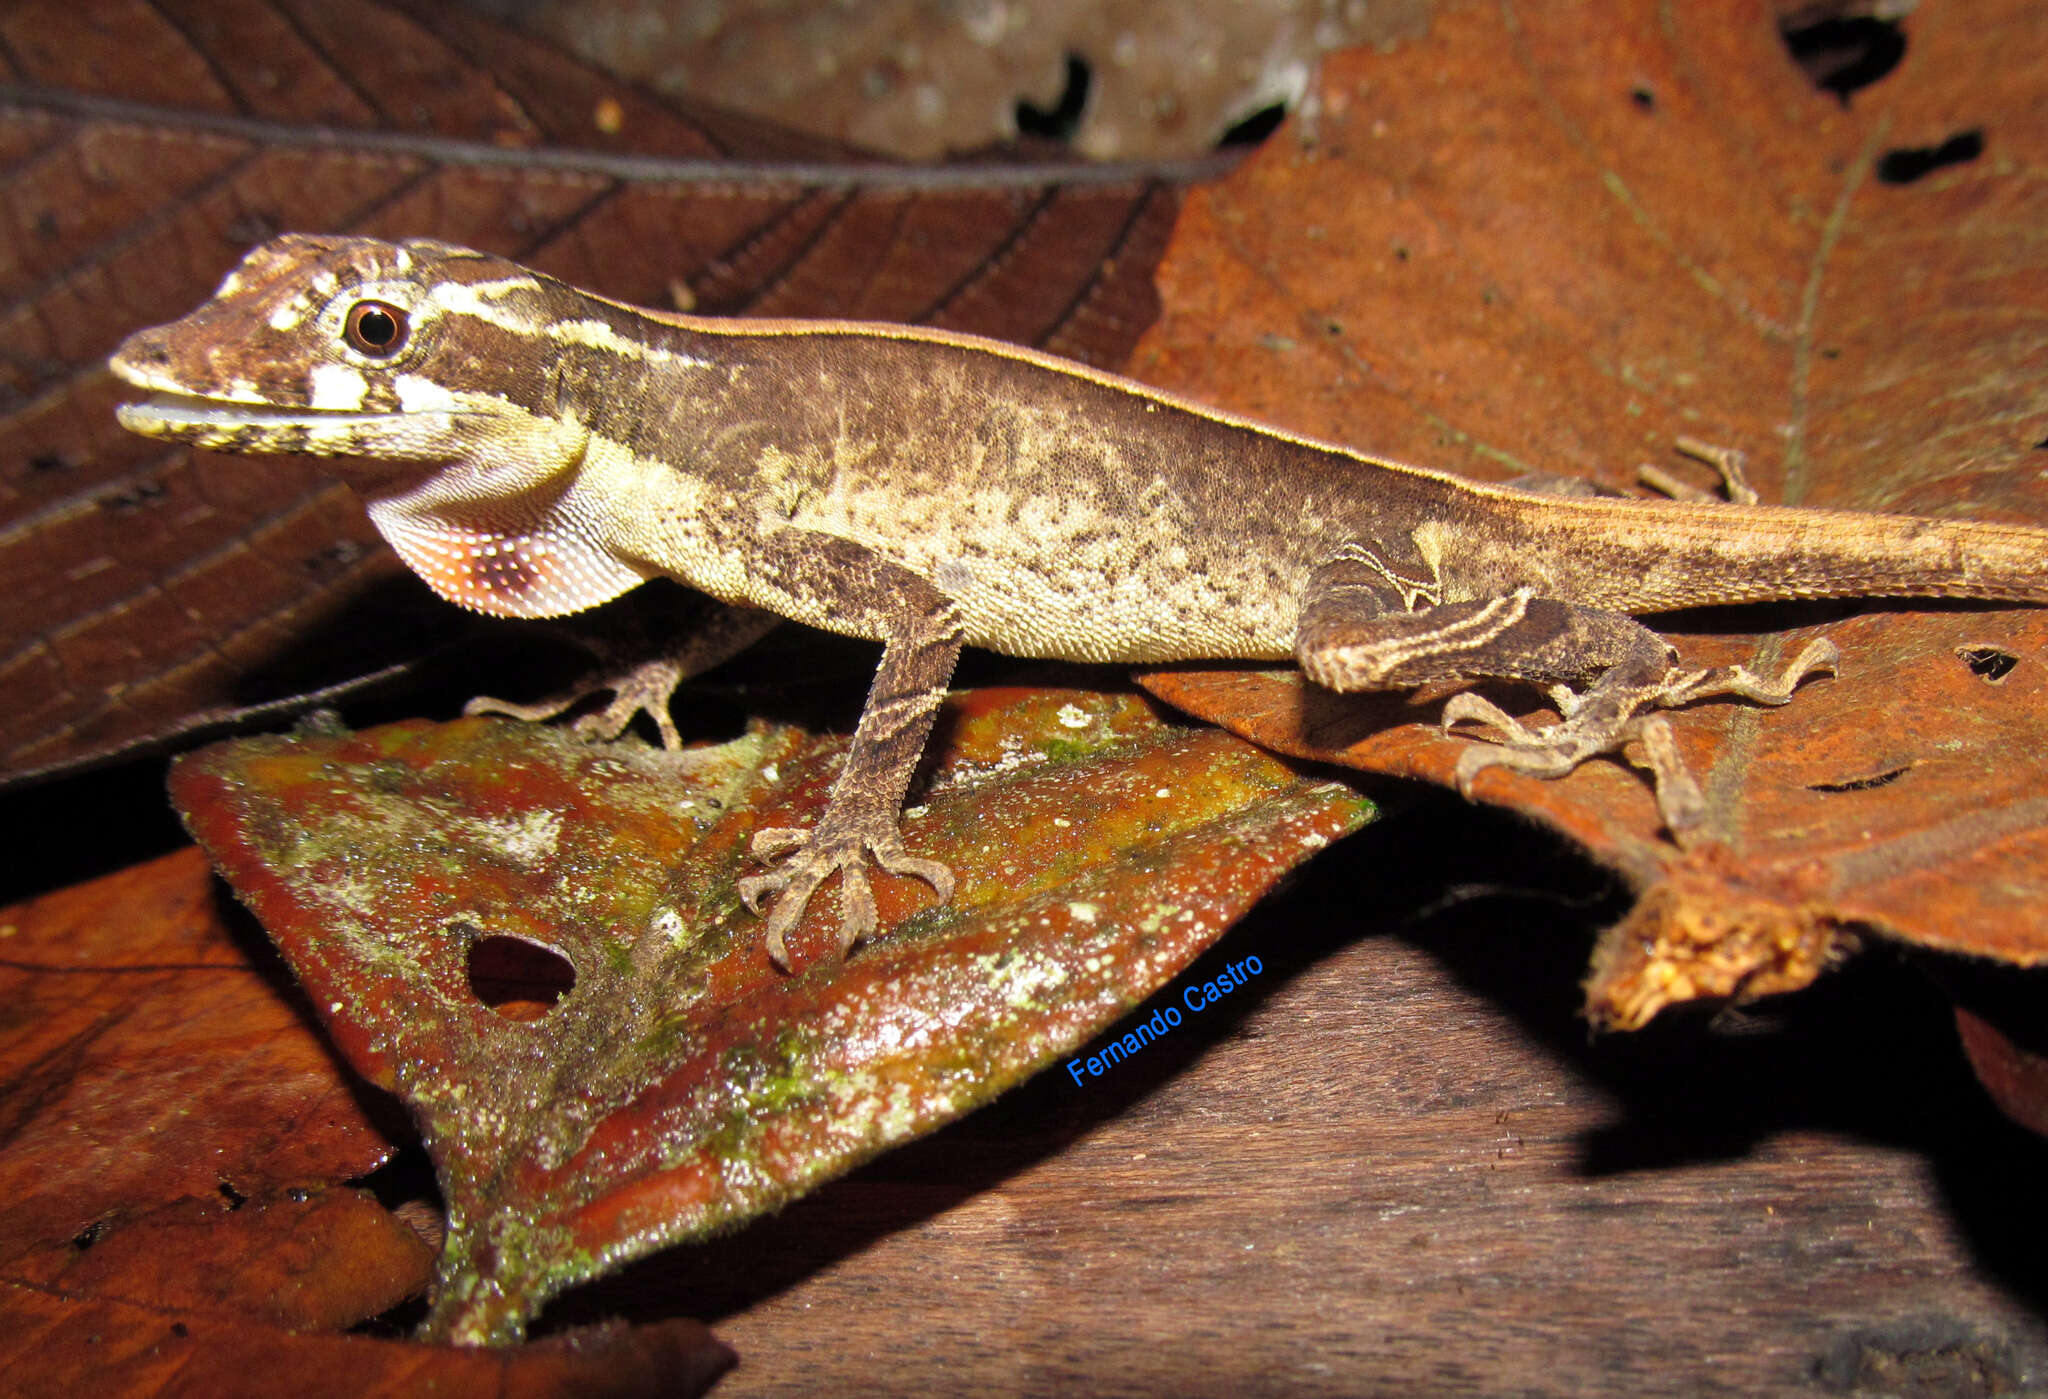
<point>518,978</point>
<point>235,1198</point>
<point>179,1328</point>
<point>1644,96</point>
<point>1909,163</point>
<point>1988,663</point>
<point>1862,784</point>
<point>1255,128</point>
<point>90,1234</point>
<point>1842,54</point>
<point>1063,119</point>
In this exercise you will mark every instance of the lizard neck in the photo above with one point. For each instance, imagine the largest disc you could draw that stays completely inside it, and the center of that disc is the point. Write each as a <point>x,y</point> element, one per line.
<point>529,550</point>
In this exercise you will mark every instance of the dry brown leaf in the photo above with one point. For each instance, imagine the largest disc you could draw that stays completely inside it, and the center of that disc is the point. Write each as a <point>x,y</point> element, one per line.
<point>305,1259</point>
<point>1558,237</point>
<point>174,1135</point>
<point>148,1061</point>
<point>58,1347</point>
<point>158,593</point>
<point>2016,1078</point>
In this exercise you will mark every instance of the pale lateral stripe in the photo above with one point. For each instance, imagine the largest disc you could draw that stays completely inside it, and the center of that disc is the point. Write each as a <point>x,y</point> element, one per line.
<point>1411,589</point>
<point>489,291</point>
<point>476,302</point>
<point>456,299</point>
<point>599,336</point>
<point>1482,626</point>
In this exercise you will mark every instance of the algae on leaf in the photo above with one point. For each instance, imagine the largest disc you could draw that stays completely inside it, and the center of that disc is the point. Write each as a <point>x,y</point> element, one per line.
<point>681,1083</point>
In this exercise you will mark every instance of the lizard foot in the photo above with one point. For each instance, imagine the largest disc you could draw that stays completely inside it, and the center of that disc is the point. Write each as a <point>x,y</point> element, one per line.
<point>1546,752</point>
<point>1607,718</point>
<point>648,688</point>
<point>809,857</point>
<point>1820,654</point>
<point>1555,751</point>
<point>1728,464</point>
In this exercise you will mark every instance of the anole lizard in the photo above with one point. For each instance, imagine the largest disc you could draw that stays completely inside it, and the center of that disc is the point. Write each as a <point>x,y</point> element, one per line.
<point>532,450</point>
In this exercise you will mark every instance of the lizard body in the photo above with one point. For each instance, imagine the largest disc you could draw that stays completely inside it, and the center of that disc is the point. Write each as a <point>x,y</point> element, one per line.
<point>533,450</point>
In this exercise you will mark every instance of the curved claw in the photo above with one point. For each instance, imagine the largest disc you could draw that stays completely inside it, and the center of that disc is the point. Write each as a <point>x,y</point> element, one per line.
<point>809,858</point>
<point>1471,763</point>
<point>756,887</point>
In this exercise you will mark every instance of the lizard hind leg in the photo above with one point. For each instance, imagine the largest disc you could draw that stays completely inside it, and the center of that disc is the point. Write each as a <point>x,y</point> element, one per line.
<point>1605,672</point>
<point>1609,714</point>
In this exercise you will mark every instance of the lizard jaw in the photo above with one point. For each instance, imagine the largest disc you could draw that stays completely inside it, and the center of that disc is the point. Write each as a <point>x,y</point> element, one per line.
<point>184,416</point>
<point>228,426</point>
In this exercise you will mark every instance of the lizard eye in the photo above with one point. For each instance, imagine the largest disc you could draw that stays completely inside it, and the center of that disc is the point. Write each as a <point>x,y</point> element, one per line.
<point>375,328</point>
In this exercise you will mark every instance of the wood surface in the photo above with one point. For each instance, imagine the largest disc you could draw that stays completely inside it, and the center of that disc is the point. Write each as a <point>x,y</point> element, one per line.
<point>1396,1163</point>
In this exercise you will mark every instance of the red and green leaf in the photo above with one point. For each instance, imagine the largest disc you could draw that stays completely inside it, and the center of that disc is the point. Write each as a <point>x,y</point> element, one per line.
<point>683,1083</point>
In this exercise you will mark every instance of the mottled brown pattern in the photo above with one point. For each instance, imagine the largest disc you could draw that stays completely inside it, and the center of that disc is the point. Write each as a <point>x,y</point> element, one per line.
<point>924,489</point>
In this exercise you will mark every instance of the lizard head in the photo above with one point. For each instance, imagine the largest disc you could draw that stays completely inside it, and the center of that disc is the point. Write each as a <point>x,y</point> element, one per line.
<point>336,347</point>
<point>424,373</point>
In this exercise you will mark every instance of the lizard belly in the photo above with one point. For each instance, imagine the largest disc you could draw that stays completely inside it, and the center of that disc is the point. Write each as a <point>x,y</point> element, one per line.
<point>1079,614</point>
<point>1067,589</point>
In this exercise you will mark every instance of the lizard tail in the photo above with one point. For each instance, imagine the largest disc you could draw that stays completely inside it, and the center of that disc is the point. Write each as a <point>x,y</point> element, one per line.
<point>1619,555</point>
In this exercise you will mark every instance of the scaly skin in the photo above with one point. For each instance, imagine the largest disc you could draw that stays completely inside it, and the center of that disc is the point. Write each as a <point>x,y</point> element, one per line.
<point>533,450</point>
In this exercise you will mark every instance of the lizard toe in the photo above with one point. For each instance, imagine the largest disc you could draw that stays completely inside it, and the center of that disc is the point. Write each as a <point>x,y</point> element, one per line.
<point>856,907</point>
<point>755,889</point>
<point>793,886</point>
<point>1471,763</point>
<point>771,841</point>
<point>1467,707</point>
<point>891,856</point>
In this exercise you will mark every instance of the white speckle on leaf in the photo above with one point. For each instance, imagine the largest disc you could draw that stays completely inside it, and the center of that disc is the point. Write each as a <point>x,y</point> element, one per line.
<point>527,839</point>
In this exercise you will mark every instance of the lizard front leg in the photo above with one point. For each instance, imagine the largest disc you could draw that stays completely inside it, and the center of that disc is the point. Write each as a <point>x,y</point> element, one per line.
<point>1603,669</point>
<point>921,637</point>
<point>646,685</point>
